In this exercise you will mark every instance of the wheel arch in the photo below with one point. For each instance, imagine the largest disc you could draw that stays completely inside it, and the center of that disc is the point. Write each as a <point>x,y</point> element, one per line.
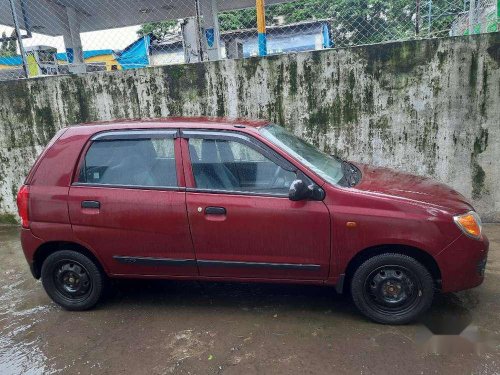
<point>420,255</point>
<point>49,248</point>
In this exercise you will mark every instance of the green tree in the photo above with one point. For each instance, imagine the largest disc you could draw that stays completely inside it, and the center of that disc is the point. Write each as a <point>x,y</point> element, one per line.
<point>238,19</point>
<point>352,21</point>
<point>12,48</point>
<point>5,42</point>
<point>158,29</point>
<point>356,21</point>
<point>8,47</point>
<point>363,19</point>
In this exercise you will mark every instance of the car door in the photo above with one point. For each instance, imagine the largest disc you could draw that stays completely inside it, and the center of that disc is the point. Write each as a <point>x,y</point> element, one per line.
<point>242,223</point>
<point>127,203</point>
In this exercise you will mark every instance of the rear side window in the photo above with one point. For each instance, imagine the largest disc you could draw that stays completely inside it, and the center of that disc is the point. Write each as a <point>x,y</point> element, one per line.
<point>130,162</point>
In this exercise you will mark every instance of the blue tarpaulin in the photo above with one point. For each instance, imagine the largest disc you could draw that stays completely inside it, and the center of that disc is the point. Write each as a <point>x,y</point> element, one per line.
<point>16,60</point>
<point>87,54</point>
<point>11,60</point>
<point>136,54</point>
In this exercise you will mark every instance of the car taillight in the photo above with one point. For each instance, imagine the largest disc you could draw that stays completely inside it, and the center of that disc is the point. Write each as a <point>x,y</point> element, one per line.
<point>22,205</point>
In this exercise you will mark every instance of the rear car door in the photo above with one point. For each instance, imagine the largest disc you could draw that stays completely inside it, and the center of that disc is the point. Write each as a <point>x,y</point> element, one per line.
<point>127,203</point>
<point>242,223</point>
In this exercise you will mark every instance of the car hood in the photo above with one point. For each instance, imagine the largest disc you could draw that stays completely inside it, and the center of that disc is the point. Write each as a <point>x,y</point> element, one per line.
<point>407,186</point>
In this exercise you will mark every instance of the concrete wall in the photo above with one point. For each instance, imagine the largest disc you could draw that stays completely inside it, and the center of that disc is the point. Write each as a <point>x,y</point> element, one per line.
<point>430,107</point>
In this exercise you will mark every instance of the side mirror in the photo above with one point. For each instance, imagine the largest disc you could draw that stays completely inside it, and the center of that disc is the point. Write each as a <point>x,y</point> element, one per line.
<point>299,191</point>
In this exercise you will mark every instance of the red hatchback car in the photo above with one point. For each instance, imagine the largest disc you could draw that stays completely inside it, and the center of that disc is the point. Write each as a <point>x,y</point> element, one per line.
<point>212,199</point>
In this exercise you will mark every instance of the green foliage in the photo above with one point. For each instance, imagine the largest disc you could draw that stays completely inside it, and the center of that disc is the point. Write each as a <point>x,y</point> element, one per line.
<point>356,21</point>
<point>8,47</point>
<point>7,219</point>
<point>353,21</point>
<point>5,42</point>
<point>442,16</point>
<point>158,29</point>
<point>238,19</point>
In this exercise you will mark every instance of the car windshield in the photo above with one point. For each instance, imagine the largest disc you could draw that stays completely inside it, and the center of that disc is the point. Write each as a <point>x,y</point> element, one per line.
<point>326,166</point>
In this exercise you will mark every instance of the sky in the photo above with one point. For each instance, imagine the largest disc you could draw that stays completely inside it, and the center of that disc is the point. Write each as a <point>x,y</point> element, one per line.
<point>115,39</point>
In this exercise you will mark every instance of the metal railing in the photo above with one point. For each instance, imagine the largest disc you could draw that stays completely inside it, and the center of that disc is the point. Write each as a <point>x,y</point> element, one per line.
<point>45,37</point>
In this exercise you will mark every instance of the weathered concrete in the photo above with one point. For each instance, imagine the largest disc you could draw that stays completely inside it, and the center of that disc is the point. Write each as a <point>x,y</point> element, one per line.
<point>430,107</point>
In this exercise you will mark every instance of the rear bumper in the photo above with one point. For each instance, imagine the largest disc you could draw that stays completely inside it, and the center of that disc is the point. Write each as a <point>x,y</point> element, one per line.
<point>462,263</point>
<point>30,243</point>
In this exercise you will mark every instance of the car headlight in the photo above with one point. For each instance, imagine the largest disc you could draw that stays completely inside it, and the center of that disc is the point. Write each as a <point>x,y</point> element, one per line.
<point>469,223</point>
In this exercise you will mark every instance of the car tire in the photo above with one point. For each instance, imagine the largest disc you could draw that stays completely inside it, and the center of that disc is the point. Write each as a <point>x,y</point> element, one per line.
<point>72,280</point>
<point>392,288</point>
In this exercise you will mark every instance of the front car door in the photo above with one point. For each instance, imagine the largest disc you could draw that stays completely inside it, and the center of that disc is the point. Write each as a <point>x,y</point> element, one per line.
<point>242,223</point>
<point>127,203</point>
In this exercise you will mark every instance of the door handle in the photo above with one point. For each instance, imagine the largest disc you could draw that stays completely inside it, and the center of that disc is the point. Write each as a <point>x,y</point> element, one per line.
<point>215,210</point>
<point>91,204</point>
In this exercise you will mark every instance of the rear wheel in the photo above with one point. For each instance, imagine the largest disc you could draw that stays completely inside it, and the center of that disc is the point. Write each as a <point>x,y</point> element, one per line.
<point>392,288</point>
<point>72,280</point>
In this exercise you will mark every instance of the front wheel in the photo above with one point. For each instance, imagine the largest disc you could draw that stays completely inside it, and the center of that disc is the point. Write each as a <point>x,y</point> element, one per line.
<point>392,288</point>
<point>72,280</point>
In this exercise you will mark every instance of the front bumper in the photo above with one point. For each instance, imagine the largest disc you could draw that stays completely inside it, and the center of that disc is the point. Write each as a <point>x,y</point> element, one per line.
<point>463,263</point>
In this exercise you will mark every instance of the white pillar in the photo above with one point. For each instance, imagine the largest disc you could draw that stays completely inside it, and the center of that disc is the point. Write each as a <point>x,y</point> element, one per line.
<point>191,42</point>
<point>210,32</point>
<point>73,42</point>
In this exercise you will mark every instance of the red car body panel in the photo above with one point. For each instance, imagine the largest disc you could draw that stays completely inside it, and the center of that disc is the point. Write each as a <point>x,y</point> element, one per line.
<point>416,188</point>
<point>386,207</point>
<point>134,222</point>
<point>260,230</point>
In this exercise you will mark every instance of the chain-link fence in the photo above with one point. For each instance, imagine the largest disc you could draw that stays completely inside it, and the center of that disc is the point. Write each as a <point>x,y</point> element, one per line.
<point>47,37</point>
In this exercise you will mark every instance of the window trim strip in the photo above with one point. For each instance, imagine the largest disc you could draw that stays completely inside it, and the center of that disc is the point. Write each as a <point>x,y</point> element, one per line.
<point>179,189</point>
<point>134,134</point>
<point>235,192</point>
<point>136,187</point>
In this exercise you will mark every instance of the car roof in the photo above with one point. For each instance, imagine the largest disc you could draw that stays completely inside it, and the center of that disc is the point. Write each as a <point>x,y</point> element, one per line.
<point>221,123</point>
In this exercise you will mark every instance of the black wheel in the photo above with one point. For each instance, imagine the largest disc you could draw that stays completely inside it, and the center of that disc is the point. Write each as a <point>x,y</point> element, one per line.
<point>72,280</point>
<point>392,288</point>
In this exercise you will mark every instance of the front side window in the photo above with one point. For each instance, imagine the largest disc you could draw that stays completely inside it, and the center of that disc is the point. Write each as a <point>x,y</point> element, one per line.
<point>130,162</point>
<point>233,166</point>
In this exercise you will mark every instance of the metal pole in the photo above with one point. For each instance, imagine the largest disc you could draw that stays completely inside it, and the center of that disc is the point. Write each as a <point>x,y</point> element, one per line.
<point>261,27</point>
<point>19,37</point>
<point>26,21</point>
<point>199,31</point>
<point>470,17</point>
<point>430,17</point>
<point>498,15</point>
<point>417,17</point>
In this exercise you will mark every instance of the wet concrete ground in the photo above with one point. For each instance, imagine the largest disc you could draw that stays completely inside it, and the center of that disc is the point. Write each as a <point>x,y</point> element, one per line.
<point>148,327</point>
